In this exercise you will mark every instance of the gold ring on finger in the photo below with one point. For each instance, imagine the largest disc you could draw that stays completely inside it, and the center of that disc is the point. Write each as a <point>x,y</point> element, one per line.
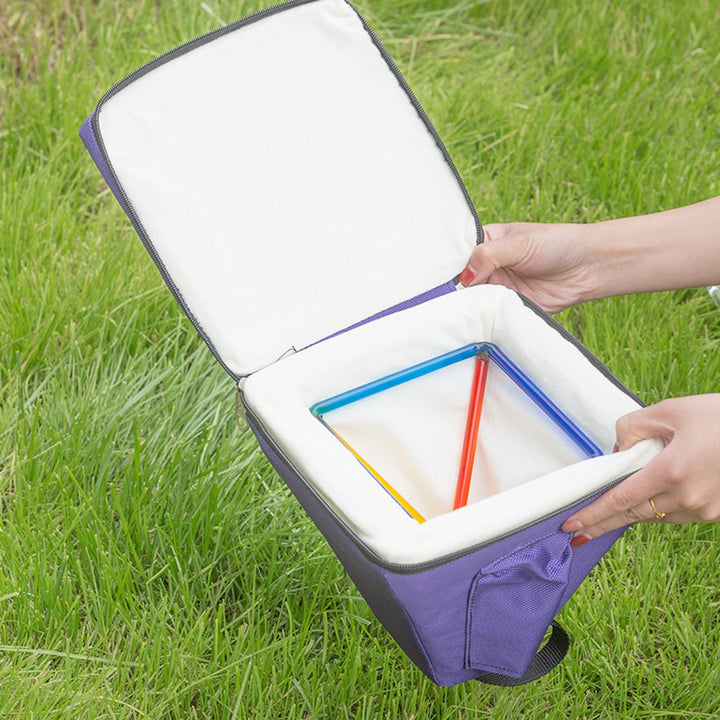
<point>658,514</point>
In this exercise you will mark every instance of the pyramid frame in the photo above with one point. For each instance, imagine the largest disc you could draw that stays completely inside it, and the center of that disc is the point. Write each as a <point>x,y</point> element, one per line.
<point>484,352</point>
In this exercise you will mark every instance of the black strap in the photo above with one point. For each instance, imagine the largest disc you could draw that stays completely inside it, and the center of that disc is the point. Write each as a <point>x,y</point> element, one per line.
<point>546,659</point>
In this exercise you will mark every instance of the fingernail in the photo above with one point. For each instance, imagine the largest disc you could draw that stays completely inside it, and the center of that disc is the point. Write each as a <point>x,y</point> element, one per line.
<point>467,276</point>
<point>572,526</point>
<point>580,540</point>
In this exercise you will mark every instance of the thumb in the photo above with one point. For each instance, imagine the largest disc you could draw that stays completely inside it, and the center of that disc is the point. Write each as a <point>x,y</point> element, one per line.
<point>499,250</point>
<point>643,424</point>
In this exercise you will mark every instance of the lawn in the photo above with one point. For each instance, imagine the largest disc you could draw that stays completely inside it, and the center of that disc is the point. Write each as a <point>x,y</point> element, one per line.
<point>152,565</point>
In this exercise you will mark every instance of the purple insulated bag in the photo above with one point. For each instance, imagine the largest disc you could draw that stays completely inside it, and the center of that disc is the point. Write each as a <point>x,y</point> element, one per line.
<point>308,219</point>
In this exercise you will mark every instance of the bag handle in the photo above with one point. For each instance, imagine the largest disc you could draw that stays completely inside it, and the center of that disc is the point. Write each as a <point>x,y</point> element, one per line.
<point>548,657</point>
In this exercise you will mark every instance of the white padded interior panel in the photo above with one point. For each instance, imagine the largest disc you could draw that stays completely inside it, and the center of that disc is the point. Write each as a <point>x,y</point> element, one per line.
<point>286,181</point>
<point>526,468</point>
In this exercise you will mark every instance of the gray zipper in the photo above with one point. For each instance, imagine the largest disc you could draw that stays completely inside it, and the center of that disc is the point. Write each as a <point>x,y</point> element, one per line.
<point>407,569</point>
<point>255,422</point>
<point>187,47</point>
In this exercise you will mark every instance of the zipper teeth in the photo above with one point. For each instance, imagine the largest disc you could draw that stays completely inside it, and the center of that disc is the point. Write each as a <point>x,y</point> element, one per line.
<point>564,332</point>
<point>135,74</point>
<point>411,568</point>
<point>567,335</point>
<point>189,45</point>
<point>150,248</point>
<point>480,232</point>
<point>201,39</point>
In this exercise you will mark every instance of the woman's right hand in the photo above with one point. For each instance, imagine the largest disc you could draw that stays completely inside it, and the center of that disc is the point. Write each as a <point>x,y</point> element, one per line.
<point>548,263</point>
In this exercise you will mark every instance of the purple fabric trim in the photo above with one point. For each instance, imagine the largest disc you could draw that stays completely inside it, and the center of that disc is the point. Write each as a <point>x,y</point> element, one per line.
<point>456,620</point>
<point>88,137</point>
<point>435,292</point>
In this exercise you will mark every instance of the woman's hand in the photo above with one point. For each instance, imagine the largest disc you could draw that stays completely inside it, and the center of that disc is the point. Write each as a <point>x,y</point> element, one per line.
<point>683,481</point>
<point>559,265</point>
<point>548,263</point>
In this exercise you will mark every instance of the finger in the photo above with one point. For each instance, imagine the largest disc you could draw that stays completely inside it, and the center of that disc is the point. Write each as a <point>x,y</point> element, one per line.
<point>495,231</point>
<point>674,518</point>
<point>679,517</point>
<point>488,257</point>
<point>643,424</point>
<point>643,512</point>
<point>620,501</point>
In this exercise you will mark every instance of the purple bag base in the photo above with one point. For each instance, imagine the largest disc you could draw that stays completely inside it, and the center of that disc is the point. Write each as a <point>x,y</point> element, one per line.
<point>441,616</point>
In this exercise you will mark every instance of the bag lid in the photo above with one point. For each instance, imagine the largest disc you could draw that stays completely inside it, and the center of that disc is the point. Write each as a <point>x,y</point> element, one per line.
<point>284,179</point>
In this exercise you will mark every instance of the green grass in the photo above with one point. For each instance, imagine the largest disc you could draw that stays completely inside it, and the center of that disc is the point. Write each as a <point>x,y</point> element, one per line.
<point>151,563</point>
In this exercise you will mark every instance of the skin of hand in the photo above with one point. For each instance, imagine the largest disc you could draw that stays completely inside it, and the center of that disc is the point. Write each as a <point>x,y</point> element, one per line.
<point>559,265</point>
<point>683,480</point>
<point>547,263</point>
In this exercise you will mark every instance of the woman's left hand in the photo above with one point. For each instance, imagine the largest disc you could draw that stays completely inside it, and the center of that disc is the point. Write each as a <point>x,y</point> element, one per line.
<point>681,484</point>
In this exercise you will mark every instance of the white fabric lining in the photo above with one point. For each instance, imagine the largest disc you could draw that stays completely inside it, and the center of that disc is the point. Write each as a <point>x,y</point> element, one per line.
<point>278,169</point>
<point>280,396</point>
<point>412,435</point>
